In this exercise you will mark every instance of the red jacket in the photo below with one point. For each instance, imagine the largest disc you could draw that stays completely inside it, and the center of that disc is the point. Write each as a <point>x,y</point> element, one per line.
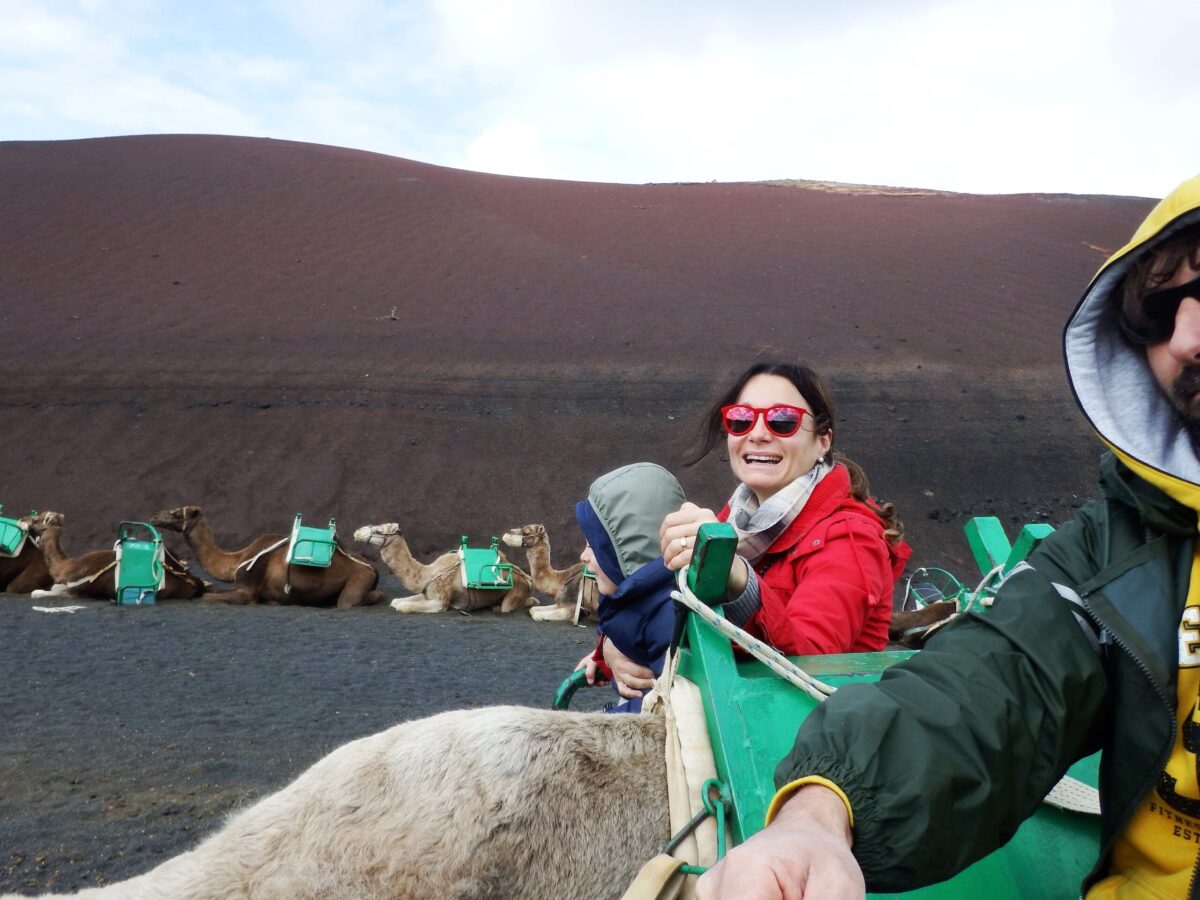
<point>826,583</point>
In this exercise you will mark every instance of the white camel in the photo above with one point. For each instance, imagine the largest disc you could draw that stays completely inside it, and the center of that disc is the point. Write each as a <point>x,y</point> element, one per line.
<point>574,596</point>
<point>533,804</point>
<point>438,586</point>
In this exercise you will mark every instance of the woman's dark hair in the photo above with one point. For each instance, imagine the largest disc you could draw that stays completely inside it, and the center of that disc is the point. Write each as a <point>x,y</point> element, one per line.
<point>812,388</point>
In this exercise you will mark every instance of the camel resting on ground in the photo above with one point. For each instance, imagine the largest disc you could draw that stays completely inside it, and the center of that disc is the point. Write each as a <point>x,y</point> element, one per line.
<point>561,584</point>
<point>261,574</point>
<point>192,524</point>
<point>385,816</point>
<point>438,586</point>
<point>93,575</point>
<point>27,571</point>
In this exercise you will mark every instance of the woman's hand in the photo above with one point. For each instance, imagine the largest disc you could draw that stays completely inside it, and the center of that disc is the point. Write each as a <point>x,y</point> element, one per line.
<point>677,535</point>
<point>631,679</point>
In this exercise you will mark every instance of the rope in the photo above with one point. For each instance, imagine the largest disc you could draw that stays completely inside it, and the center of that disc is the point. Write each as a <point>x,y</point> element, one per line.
<point>1068,793</point>
<point>767,655</point>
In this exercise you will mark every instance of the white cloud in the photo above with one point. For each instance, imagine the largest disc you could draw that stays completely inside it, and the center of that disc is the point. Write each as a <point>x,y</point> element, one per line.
<point>1053,95</point>
<point>511,147</point>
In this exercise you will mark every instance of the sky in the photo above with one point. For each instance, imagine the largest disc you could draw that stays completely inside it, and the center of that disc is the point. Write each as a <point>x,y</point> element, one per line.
<point>1060,96</point>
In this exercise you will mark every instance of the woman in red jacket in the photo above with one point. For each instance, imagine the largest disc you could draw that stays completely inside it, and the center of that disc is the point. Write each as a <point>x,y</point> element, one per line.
<point>817,557</point>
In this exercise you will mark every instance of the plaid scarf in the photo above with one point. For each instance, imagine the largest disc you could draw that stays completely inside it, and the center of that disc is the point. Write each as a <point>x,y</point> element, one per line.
<point>758,526</point>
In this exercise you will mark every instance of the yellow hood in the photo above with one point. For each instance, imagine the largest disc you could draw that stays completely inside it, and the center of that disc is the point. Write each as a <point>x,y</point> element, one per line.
<point>1112,383</point>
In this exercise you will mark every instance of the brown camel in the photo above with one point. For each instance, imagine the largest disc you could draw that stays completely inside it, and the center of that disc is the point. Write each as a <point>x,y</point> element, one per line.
<point>26,571</point>
<point>192,524</point>
<point>261,574</point>
<point>439,585</point>
<point>93,575</point>
<point>564,585</point>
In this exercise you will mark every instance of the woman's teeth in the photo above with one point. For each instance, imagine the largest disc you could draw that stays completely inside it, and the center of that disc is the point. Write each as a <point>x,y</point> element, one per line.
<point>762,460</point>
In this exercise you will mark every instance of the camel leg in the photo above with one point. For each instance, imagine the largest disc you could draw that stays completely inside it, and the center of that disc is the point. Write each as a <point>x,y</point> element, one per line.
<point>358,591</point>
<point>552,613</point>
<point>518,598</point>
<point>56,590</point>
<point>239,596</point>
<point>419,603</point>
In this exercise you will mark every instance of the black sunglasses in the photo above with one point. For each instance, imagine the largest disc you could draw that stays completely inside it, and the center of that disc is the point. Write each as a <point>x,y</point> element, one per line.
<point>1158,309</point>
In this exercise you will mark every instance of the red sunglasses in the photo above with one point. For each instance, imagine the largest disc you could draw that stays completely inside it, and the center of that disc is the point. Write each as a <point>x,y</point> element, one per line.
<point>781,419</point>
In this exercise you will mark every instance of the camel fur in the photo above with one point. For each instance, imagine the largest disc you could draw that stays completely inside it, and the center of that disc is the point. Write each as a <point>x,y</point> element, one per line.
<point>561,584</point>
<point>27,571</point>
<point>534,804</point>
<point>260,572</point>
<point>93,576</point>
<point>438,586</point>
<point>191,522</point>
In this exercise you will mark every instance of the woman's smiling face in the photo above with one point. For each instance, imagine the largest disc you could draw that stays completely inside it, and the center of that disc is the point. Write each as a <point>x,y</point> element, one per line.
<point>761,459</point>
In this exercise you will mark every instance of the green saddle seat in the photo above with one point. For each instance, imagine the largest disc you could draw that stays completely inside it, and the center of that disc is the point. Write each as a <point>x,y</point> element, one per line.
<point>12,536</point>
<point>140,564</point>
<point>481,568</point>
<point>311,546</point>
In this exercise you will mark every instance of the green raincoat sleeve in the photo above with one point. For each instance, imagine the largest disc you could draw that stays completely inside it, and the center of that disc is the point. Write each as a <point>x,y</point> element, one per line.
<point>949,752</point>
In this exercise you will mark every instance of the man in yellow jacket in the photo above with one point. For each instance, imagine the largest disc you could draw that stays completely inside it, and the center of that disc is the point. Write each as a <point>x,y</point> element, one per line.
<point>1093,645</point>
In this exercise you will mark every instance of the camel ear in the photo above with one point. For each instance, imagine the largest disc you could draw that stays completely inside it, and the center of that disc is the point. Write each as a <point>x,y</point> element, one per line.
<point>191,511</point>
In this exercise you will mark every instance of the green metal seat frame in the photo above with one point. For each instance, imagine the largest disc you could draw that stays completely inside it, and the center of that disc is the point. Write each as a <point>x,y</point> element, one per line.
<point>312,546</point>
<point>481,568</point>
<point>140,563</point>
<point>12,536</point>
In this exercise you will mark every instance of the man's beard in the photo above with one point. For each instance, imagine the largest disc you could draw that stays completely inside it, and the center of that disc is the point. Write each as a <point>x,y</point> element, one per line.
<point>1185,398</point>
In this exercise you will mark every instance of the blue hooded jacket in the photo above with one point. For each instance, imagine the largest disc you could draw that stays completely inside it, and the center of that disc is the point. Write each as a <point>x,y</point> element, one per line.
<point>620,520</point>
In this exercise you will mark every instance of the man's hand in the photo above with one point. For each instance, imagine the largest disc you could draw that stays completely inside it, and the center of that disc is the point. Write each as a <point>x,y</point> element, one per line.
<point>804,854</point>
<point>631,679</point>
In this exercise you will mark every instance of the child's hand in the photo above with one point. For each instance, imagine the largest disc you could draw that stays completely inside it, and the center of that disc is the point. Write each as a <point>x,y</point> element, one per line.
<point>588,664</point>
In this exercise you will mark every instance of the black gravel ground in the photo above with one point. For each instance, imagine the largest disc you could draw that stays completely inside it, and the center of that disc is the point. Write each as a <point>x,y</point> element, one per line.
<point>129,733</point>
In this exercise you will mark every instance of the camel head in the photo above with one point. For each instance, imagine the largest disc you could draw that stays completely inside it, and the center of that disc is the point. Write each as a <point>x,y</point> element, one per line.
<point>526,536</point>
<point>377,534</point>
<point>180,519</point>
<point>37,525</point>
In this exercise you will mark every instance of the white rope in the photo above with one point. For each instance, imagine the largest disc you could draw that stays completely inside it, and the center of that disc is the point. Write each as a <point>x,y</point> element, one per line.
<point>1069,793</point>
<point>767,655</point>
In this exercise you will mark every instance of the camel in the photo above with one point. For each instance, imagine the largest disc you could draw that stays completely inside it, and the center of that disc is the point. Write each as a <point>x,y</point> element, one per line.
<point>438,585</point>
<point>571,806</point>
<point>192,524</point>
<point>93,575</point>
<point>261,574</point>
<point>26,571</point>
<point>561,584</point>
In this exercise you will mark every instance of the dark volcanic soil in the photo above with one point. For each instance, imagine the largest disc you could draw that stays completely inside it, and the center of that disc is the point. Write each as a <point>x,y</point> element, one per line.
<point>263,328</point>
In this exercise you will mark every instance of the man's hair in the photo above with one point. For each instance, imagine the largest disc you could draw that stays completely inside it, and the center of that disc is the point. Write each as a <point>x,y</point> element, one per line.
<point>1155,267</point>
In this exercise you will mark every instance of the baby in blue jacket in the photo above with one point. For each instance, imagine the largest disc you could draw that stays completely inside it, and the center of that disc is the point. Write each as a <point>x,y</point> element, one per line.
<point>620,520</point>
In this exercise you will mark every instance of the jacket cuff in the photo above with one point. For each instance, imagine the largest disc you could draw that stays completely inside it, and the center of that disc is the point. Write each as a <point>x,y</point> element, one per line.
<point>740,609</point>
<point>598,659</point>
<point>784,794</point>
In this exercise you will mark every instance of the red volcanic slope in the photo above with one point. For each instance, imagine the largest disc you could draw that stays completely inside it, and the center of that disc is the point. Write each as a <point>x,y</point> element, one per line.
<point>265,327</point>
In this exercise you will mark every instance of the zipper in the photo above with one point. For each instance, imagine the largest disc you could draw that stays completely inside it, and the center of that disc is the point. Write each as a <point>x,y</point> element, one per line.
<point>1164,754</point>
